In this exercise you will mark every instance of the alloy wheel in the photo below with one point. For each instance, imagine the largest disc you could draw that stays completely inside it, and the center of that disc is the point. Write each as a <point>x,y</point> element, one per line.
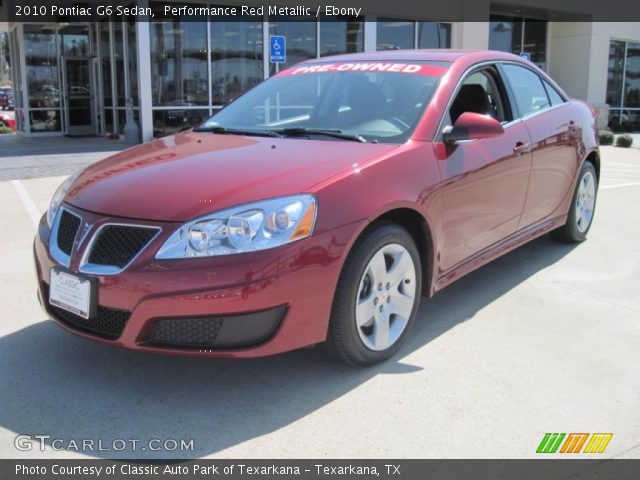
<point>386,297</point>
<point>585,201</point>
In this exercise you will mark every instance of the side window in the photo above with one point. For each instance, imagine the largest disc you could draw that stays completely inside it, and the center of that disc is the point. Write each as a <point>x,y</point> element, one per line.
<point>527,88</point>
<point>554,96</point>
<point>480,93</point>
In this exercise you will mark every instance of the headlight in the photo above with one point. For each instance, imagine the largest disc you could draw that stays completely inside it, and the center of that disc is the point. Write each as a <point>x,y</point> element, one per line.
<point>248,228</point>
<point>58,197</point>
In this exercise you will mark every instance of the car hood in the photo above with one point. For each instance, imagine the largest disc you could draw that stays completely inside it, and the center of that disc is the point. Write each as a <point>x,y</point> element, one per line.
<point>190,174</point>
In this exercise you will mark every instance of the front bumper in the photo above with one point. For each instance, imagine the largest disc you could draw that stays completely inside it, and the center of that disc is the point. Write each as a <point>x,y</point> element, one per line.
<point>246,305</point>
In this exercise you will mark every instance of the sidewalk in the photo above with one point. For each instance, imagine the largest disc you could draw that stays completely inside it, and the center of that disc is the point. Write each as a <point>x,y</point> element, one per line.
<point>19,146</point>
<point>28,157</point>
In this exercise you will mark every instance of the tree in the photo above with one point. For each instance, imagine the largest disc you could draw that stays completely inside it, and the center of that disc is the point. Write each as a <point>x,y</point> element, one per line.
<point>5,62</point>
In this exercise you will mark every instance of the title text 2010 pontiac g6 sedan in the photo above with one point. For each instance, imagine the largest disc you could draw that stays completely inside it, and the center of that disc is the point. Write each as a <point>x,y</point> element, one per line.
<point>319,207</point>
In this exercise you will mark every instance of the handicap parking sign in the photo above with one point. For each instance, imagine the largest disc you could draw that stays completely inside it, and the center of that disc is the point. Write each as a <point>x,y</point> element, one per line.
<point>278,49</point>
<point>525,55</point>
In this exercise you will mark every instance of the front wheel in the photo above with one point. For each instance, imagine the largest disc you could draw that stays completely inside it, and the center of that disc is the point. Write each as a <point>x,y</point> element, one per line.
<point>582,207</point>
<point>377,297</point>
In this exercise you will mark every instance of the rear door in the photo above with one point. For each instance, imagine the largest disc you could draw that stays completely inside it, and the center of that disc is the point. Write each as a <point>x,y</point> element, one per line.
<point>485,181</point>
<point>553,126</point>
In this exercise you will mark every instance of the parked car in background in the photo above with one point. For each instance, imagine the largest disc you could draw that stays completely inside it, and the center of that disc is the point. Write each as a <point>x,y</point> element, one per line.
<point>319,207</point>
<point>7,120</point>
<point>6,99</point>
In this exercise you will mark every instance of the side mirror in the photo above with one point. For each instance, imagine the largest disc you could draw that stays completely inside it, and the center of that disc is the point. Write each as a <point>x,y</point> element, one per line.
<point>472,126</point>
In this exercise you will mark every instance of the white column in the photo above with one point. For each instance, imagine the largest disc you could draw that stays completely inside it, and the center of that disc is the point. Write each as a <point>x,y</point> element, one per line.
<point>370,34</point>
<point>578,60</point>
<point>569,59</point>
<point>23,78</point>
<point>474,35</point>
<point>144,79</point>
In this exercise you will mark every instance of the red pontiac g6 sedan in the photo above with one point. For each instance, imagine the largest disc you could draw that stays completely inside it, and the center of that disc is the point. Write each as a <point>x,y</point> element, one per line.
<point>319,207</point>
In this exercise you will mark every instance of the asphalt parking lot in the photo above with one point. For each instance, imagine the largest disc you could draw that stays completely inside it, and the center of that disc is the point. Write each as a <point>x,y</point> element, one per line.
<point>546,339</point>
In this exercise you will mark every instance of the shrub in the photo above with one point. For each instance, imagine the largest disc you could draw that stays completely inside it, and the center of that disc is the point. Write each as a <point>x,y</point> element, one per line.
<point>4,130</point>
<point>606,138</point>
<point>624,141</point>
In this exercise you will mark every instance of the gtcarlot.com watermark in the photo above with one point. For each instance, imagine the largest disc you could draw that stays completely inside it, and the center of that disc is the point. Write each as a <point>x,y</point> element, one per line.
<point>27,443</point>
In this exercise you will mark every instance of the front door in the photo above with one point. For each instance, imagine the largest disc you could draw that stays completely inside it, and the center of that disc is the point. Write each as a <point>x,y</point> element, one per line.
<point>79,95</point>
<point>485,180</point>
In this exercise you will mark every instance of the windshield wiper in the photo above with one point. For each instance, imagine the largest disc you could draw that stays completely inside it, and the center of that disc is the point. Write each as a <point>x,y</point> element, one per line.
<point>301,132</point>
<point>238,131</point>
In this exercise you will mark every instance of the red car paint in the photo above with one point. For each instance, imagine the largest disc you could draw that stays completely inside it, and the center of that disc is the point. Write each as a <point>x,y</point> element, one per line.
<point>7,120</point>
<point>478,200</point>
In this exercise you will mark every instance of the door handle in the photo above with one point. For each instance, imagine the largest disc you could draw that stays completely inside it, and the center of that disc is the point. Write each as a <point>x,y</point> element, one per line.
<point>521,148</point>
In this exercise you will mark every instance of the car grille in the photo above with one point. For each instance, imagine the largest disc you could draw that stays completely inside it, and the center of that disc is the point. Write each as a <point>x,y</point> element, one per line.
<point>187,332</point>
<point>118,245</point>
<point>67,230</point>
<point>109,322</point>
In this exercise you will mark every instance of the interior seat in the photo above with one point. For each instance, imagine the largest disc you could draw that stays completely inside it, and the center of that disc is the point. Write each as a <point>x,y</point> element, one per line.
<point>364,97</point>
<point>470,98</point>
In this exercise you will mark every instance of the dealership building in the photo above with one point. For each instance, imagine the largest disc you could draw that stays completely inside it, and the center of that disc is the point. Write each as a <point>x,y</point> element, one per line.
<point>153,78</point>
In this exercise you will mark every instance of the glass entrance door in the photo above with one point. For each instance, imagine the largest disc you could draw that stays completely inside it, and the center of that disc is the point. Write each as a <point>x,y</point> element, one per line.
<point>79,96</point>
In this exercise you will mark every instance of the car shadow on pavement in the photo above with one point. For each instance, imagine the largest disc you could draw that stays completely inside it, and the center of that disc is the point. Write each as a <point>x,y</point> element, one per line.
<point>55,384</point>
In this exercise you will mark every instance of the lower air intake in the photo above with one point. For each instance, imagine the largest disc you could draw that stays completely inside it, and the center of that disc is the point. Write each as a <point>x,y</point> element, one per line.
<point>230,331</point>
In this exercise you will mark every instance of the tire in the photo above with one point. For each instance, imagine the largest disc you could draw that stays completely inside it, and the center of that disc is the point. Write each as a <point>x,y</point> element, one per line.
<point>388,299</point>
<point>582,208</point>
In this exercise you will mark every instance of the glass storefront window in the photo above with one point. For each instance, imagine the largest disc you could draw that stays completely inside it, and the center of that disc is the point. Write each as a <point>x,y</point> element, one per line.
<point>632,76</point>
<point>41,61</point>
<point>341,36</point>
<point>179,61</point>
<point>105,58</point>
<point>43,88</point>
<point>505,34</point>
<point>434,35</point>
<point>301,41</point>
<point>17,80</point>
<point>623,86</point>
<point>624,120</point>
<point>395,34</point>
<point>75,41</point>
<point>236,59</point>
<point>44,120</point>
<point>615,73</point>
<point>132,53</point>
<point>122,118</point>
<point>109,126</point>
<point>535,41</point>
<point>119,62</point>
<point>168,122</point>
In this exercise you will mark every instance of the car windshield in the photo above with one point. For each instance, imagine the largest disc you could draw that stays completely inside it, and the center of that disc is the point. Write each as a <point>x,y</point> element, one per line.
<point>362,101</point>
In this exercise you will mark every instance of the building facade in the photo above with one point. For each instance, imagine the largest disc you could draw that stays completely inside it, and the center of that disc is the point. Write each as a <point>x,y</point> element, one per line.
<point>150,79</point>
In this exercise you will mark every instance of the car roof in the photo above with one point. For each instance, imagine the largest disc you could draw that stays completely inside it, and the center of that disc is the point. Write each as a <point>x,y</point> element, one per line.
<point>438,55</point>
